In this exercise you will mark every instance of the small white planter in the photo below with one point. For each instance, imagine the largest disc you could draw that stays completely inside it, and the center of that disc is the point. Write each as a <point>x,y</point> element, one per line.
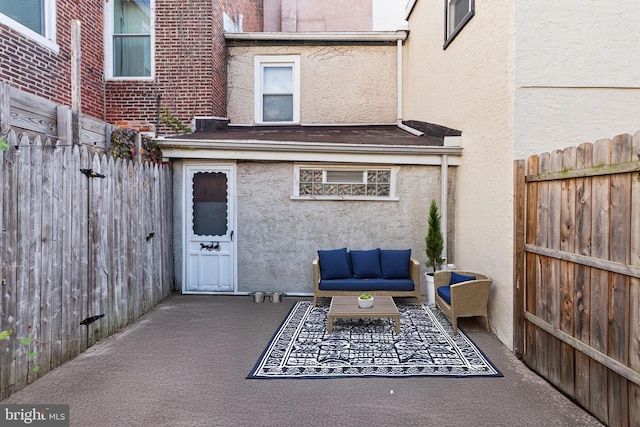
<point>365,303</point>
<point>431,289</point>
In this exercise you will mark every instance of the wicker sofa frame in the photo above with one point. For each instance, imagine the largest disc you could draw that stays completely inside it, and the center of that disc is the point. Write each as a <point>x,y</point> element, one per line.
<point>414,273</point>
<point>468,299</point>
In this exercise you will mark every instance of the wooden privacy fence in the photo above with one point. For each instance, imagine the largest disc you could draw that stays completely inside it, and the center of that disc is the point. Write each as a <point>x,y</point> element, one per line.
<point>577,273</point>
<point>84,237</point>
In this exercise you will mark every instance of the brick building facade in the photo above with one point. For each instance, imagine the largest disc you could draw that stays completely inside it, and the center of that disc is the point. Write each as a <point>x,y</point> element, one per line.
<point>39,69</point>
<point>190,61</point>
<point>191,67</point>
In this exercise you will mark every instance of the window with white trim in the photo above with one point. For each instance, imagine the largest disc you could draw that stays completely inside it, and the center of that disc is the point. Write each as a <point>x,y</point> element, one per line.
<point>35,19</point>
<point>277,89</point>
<point>129,39</point>
<point>457,14</point>
<point>344,182</point>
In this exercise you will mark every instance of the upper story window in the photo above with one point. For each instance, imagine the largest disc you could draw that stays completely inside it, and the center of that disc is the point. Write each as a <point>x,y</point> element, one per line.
<point>35,19</point>
<point>457,14</point>
<point>277,89</point>
<point>129,39</point>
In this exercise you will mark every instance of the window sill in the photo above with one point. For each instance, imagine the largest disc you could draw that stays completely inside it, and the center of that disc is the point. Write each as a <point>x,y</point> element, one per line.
<point>347,198</point>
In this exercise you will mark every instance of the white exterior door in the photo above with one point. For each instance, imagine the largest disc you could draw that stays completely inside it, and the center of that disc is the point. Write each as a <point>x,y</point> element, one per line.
<point>209,255</point>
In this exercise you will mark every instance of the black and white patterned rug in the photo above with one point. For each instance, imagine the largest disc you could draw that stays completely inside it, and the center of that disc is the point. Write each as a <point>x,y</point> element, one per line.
<point>426,346</point>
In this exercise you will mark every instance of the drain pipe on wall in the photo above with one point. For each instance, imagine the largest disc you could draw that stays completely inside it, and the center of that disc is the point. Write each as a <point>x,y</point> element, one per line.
<point>401,125</point>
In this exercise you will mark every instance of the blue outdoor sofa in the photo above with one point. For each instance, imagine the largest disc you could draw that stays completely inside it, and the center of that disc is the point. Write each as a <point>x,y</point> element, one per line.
<point>377,271</point>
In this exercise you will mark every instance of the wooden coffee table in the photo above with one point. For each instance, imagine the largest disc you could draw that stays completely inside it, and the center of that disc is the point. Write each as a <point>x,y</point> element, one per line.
<point>347,308</point>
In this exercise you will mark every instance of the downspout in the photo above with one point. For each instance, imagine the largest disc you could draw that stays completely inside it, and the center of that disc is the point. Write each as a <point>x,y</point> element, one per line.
<point>399,90</point>
<point>444,181</point>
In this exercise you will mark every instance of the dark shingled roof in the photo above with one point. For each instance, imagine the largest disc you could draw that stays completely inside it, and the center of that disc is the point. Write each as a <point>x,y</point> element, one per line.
<point>365,135</point>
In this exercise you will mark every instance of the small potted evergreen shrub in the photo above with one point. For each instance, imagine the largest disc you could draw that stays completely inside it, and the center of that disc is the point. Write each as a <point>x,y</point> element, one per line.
<point>434,243</point>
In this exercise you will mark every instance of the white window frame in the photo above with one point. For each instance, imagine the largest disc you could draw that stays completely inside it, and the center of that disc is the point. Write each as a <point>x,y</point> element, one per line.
<point>449,32</point>
<point>393,172</point>
<point>48,39</point>
<point>108,43</point>
<point>260,62</point>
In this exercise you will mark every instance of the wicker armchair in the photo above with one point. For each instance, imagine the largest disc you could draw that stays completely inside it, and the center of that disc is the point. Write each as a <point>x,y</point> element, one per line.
<point>468,298</point>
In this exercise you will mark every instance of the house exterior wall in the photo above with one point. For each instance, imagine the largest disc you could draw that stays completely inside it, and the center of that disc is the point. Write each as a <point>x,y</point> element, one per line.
<point>336,83</point>
<point>312,15</point>
<point>521,78</point>
<point>278,237</point>
<point>469,86</point>
<point>577,79</point>
<point>190,63</point>
<point>32,67</point>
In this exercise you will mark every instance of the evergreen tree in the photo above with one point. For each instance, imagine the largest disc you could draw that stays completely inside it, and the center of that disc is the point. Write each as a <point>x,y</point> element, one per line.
<point>434,240</point>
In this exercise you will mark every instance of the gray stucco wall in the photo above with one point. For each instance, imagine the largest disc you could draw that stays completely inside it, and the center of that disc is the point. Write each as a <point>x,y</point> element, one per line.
<point>278,237</point>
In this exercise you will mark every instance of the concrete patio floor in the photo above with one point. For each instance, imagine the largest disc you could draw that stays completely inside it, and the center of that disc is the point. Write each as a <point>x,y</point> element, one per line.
<point>185,362</point>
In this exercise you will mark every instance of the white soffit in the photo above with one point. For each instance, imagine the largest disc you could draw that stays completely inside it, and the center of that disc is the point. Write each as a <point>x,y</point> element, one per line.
<point>308,152</point>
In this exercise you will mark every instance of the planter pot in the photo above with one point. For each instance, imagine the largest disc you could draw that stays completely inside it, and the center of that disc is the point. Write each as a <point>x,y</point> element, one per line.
<point>431,290</point>
<point>257,296</point>
<point>276,297</point>
<point>365,303</point>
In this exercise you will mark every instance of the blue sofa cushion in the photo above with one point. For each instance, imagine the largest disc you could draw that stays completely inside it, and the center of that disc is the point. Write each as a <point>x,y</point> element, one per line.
<point>395,263</point>
<point>375,284</point>
<point>334,264</point>
<point>366,264</point>
<point>445,293</point>
<point>459,278</point>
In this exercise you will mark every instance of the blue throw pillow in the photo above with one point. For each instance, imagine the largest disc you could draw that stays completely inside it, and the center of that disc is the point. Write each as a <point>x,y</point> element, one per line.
<point>366,264</point>
<point>458,278</point>
<point>334,264</point>
<point>395,263</point>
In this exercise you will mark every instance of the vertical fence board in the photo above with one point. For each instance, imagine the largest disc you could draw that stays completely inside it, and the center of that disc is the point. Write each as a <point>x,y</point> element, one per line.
<point>3,269</point>
<point>47,281</point>
<point>518,256</point>
<point>531,354</point>
<point>582,303</point>
<point>543,274</point>
<point>634,288</point>
<point>56,257</point>
<point>82,285</point>
<point>66,209</point>
<point>35,259</point>
<point>600,278</point>
<point>22,327</point>
<point>10,172</point>
<point>567,272</point>
<point>554,290</point>
<point>115,289</point>
<point>618,296</point>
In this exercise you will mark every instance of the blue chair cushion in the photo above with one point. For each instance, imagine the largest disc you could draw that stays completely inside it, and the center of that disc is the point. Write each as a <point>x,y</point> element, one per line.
<point>366,264</point>
<point>445,293</point>
<point>334,264</point>
<point>458,278</point>
<point>375,284</point>
<point>395,263</point>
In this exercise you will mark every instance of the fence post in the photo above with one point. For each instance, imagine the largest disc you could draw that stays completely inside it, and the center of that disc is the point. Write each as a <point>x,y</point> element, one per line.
<point>76,79</point>
<point>65,131</point>
<point>519,192</point>
<point>5,109</point>
<point>138,147</point>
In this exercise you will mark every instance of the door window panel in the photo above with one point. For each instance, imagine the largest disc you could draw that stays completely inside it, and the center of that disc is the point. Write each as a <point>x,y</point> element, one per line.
<point>210,208</point>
